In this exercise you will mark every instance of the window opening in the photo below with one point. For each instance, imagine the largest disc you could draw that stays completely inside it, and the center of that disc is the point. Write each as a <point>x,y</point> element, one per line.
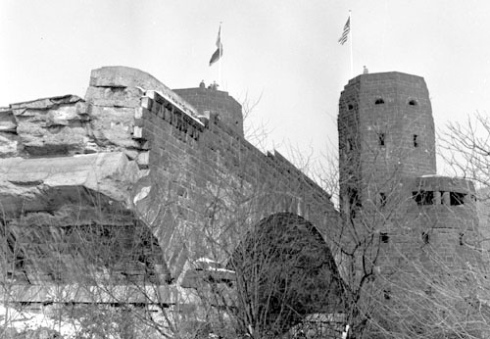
<point>461,235</point>
<point>423,197</point>
<point>415,140</point>
<point>379,101</point>
<point>429,291</point>
<point>350,144</point>
<point>425,237</point>
<point>456,198</point>
<point>384,237</point>
<point>387,294</point>
<point>354,201</point>
<point>412,102</point>
<point>381,139</point>
<point>382,199</point>
<point>354,198</point>
<point>19,261</point>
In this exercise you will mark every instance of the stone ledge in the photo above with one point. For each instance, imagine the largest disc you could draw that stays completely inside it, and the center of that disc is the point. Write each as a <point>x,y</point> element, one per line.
<point>25,183</point>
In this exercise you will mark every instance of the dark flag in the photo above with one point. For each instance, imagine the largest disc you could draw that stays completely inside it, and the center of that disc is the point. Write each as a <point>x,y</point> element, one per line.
<point>219,51</point>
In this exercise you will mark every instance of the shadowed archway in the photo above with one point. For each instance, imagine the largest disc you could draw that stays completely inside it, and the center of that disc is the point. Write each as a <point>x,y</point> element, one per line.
<point>284,272</point>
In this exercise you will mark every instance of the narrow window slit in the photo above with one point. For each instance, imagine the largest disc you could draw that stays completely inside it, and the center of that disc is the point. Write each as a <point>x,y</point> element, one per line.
<point>381,139</point>
<point>382,199</point>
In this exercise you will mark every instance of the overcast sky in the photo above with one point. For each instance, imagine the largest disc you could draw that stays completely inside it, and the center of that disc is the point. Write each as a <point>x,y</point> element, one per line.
<point>282,51</point>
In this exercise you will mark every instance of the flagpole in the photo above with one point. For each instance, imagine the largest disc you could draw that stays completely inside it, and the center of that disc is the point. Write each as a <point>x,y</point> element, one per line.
<point>220,56</point>
<point>351,43</point>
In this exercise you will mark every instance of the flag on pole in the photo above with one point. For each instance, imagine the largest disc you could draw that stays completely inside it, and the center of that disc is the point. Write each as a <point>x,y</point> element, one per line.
<point>345,33</point>
<point>219,51</point>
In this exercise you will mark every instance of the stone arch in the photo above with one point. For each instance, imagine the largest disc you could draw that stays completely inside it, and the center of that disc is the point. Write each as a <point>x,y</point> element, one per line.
<point>284,271</point>
<point>84,238</point>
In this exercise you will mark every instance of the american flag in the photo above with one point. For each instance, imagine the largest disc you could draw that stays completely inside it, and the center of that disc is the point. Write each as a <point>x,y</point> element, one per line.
<point>345,33</point>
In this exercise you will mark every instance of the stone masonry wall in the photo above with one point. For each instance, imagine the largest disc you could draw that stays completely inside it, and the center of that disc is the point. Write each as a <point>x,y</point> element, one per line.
<point>207,185</point>
<point>137,149</point>
<point>393,125</point>
<point>409,221</point>
<point>211,101</point>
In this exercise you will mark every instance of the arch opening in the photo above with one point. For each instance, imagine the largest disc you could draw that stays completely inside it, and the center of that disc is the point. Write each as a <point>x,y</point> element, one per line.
<point>284,266</point>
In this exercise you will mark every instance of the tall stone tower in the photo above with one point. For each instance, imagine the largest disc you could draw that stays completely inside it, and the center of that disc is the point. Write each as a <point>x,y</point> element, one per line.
<point>386,134</point>
<point>395,208</point>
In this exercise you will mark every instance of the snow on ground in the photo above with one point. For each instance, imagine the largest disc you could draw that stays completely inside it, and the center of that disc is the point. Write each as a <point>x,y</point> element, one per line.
<point>32,319</point>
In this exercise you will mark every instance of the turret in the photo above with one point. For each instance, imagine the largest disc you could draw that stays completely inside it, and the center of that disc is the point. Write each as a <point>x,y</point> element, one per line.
<point>211,101</point>
<point>386,134</point>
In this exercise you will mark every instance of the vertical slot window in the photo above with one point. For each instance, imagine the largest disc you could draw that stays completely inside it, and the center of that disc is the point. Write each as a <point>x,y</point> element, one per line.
<point>381,139</point>
<point>382,199</point>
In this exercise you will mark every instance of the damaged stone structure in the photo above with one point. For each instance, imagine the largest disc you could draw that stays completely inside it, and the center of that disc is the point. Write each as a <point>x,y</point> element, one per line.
<point>417,232</point>
<point>138,194</point>
<point>388,162</point>
<point>150,197</point>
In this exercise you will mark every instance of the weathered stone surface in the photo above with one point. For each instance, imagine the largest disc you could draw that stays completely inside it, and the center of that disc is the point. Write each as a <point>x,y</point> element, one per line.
<point>32,183</point>
<point>46,103</point>
<point>113,126</point>
<point>116,96</point>
<point>7,120</point>
<point>68,125</point>
<point>82,205</point>
<point>116,85</point>
<point>8,145</point>
<point>188,187</point>
<point>52,125</point>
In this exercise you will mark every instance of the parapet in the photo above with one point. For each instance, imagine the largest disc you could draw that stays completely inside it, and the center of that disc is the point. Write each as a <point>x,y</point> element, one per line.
<point>377,94</point>
<point>442,183</point>
<point>398,99</point>
<point>386,75</point>
<point>437,190</point>
<point>210,101</point>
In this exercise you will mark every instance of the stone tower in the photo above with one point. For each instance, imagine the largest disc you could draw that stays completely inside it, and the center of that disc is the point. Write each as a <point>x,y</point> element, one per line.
<point>211,101</point>
<point>391,198</point>
<point>386,134</point>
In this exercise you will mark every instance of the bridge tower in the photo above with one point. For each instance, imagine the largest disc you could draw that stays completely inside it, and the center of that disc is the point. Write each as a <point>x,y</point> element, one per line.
<point>386,135</point>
